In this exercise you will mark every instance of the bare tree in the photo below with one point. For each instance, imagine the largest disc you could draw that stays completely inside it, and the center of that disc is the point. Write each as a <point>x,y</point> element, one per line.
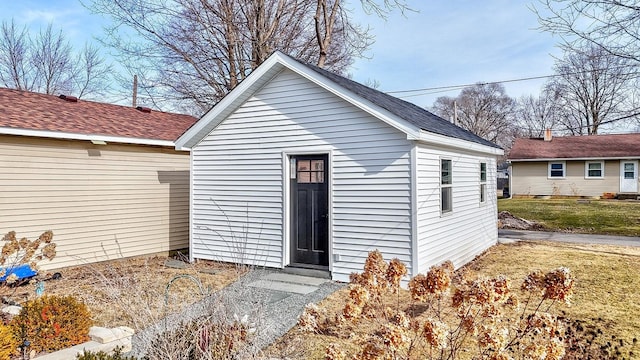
<point>15,68</point>
<point>196,51</point>
<point>611,25</point>
<point>484,109</point>
<point>46,63</point>
<point>594,89</point>
<point>536,113</point>
<point>52,59</point>
<point>90,72</point>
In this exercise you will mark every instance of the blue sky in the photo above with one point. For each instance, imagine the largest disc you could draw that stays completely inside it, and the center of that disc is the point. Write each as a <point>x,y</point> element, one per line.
<point>447,42</point>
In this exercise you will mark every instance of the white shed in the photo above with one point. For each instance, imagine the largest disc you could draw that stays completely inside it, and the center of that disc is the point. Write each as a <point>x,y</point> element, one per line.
<point>300,167</point>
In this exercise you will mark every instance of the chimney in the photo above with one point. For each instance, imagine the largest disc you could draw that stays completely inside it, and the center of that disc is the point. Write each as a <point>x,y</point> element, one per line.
<point>547,135</point>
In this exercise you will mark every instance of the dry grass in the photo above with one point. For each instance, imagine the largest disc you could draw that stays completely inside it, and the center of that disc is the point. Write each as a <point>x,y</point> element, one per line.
<point>606,291</point>
<point>607,278</point>
<point>131,291</point>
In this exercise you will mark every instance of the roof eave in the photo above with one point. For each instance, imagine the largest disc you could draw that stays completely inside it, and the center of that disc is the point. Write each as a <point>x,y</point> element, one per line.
<point>85,137</point>
<point>437,139</point>
<point>578,158</point>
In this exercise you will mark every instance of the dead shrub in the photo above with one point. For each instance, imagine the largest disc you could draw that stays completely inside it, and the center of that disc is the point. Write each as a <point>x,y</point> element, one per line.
<point>483,318</point>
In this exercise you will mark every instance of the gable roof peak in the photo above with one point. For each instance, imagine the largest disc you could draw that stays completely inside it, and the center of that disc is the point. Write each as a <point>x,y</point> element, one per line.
<point>405,116</point>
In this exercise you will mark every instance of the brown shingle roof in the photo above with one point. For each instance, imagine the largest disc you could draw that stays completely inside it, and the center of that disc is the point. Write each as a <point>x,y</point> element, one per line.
<point>34,111</point>
<point>580,147</point>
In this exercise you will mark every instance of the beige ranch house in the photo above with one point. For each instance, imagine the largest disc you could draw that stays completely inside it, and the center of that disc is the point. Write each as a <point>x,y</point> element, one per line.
<point>576,166</point>
<point>301,168</point>
<point>106,179</point>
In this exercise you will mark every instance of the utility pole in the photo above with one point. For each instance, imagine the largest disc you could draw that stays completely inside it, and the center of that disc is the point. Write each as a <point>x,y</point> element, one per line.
<point>135,90</point>
<point>455,112</point>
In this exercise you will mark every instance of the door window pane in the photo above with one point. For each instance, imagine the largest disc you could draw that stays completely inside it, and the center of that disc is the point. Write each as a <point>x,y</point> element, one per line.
<point>304,165</point>
<point>629,171</point>
<point>310,171</point>
<point>304,176</point>
<point>317,165</point>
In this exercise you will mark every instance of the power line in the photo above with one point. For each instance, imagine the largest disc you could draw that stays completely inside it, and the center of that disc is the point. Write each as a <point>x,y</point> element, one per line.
<point>440,89</point>
<point>454,87</point>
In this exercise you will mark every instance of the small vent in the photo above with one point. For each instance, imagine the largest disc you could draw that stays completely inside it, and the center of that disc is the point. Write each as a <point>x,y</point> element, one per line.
<point>68,98</point>
<point>143,109</point>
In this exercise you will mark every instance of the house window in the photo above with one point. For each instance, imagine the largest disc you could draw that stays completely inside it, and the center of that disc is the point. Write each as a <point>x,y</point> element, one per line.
<point>557,169</point>
<point>483,182</point>
<point>594,169</point>
<point>446,196</point>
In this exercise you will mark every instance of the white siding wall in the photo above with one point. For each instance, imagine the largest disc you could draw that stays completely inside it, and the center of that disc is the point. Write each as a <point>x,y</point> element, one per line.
<point>470,228</point>
<point>102,202</point>
<point>238,178</point>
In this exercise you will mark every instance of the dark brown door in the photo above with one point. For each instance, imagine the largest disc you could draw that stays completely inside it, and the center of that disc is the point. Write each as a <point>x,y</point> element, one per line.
<point>309,210</point>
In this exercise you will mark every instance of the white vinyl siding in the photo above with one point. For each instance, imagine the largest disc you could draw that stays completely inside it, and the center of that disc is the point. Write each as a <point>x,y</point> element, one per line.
<point>102,202</point>
<point>238,210</point>
<point>469,229</point>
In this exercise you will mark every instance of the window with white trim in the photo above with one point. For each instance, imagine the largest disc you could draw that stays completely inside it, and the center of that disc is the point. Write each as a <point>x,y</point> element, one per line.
<point>483,182</point>
<point>557,169</point>
<point>594,169</point>
<point>446,180</point>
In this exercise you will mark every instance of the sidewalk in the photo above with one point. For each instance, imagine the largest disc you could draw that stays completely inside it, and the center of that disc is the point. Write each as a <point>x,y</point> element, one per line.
<point>505,235</point>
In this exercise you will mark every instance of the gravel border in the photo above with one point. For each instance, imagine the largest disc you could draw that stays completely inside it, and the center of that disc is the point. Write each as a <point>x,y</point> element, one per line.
<point>272,313</point>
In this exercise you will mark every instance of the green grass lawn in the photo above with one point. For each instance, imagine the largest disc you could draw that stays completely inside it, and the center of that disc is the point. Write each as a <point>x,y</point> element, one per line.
<point>609,217</point>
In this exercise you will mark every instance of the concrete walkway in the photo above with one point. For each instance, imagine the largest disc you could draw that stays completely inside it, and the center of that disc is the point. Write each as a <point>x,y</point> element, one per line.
<point>271,300</point>
<point>505,235</point>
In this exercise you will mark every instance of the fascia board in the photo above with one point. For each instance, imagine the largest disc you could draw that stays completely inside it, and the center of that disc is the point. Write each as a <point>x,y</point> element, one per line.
<point>630,157</point>
<point>84,137</point>
<point>437,139</point>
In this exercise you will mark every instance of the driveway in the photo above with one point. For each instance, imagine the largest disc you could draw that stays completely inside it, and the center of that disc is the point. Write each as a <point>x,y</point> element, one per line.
<point>509,234</point>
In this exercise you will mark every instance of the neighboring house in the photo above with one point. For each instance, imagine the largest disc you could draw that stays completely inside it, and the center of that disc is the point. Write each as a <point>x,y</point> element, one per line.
<point>300,167</point>
<point>106,179</point>
<point>575,165</point>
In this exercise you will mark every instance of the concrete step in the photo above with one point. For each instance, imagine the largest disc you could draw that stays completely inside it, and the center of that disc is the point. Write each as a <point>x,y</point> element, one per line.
<point>296,279</point>
<point>283,286</point>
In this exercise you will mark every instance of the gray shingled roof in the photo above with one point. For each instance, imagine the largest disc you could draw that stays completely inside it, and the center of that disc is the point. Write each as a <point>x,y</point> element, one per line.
<point>405,110</point>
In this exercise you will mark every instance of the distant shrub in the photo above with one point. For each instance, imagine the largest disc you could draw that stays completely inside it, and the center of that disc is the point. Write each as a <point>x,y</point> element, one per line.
<point>101,355</point>
<point>8,342</point>
<point>51,323</point>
